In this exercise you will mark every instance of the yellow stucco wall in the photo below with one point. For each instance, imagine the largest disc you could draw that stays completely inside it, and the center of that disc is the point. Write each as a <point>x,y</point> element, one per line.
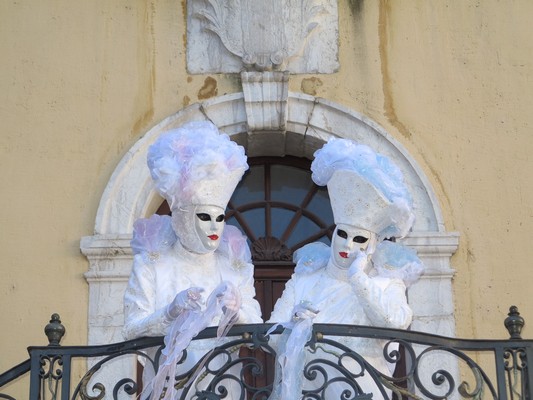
<point>82,81</point>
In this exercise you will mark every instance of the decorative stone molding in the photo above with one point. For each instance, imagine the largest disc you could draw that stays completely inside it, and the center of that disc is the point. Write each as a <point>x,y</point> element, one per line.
<point>258,35</point>
<point>265,100</point>
<point>430,297</point>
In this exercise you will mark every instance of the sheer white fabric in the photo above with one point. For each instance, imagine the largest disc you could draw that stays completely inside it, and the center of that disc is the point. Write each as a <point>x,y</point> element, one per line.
<point>183,329</point>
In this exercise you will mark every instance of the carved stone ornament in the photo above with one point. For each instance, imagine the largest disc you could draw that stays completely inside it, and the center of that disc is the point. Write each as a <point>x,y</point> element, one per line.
<point>228,36</point>
<point>270,249</point>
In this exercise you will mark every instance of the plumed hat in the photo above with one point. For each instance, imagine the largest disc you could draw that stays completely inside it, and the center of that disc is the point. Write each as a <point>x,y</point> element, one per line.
<point>366,189</point>
<point>196,165</point>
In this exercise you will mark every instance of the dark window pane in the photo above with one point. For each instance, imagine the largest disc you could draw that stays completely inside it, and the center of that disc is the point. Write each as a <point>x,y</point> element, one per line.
<point>304,229</point>
<point>280,221</point>
<point>255,219</point>
<point>251,188</point>
<point>289,184</point>
<point>320,206</point>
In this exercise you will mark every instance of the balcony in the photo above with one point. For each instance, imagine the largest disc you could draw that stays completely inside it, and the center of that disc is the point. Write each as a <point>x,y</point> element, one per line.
<point>426,366</point>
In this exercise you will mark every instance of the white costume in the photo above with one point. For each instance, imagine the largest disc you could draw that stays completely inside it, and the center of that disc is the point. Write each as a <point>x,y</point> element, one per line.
<point>343,284</point>
<point>184,259</point>
<point>158,274</point>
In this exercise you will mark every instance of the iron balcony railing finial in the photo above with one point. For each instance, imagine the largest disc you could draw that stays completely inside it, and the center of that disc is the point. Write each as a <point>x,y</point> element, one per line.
<point>54,330</point>
<point>514,323</point>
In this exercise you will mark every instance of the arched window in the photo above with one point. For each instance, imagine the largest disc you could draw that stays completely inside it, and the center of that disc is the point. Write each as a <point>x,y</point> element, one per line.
<point>279,208</point>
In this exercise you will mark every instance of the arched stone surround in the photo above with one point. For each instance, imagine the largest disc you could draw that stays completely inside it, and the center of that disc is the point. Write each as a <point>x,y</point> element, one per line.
<point>309,123</point>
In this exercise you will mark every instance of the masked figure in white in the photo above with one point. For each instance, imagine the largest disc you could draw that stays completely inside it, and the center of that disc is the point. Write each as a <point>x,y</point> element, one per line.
<point>360,280</point>
<point>189,270</point>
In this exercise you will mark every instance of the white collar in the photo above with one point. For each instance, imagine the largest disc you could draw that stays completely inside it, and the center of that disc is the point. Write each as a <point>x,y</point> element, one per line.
<point>336,272</point>
<point>190,256</point>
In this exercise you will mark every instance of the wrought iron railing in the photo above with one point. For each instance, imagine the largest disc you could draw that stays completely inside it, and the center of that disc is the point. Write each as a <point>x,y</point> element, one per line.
<point>427,366</point>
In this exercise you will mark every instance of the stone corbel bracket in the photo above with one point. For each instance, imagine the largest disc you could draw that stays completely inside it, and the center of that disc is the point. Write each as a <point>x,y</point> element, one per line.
<point>266,104</point>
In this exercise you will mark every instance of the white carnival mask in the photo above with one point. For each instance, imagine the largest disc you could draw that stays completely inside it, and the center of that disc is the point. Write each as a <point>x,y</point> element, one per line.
<point>199,227</point>
<point>348,241</point>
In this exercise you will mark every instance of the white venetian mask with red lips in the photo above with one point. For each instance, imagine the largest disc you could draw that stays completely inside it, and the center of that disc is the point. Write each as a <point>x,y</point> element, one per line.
<point>209,224</point>
<point>347,242</point>
<point>199,228</point>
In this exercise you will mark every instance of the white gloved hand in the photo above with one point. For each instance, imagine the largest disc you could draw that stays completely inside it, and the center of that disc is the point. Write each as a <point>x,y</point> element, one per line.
<point>230,299</point>
<point>190,299</point>
<point>304,310</point>
<point>359,264</point>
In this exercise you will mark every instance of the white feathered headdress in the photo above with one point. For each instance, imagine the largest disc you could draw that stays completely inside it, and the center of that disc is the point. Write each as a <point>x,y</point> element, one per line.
<point>196,164</point>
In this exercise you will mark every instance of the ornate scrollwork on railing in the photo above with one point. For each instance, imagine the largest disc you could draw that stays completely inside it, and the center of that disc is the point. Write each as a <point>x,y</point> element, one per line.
<point>98,389</point>
<point>51,373</point>
<point>336,371</point>
<point>86,390</point>
<point>229,371</point>
<point>230,368</point>
<point>339,364</point>
<point>482,386</point>
<point>515,365</point>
